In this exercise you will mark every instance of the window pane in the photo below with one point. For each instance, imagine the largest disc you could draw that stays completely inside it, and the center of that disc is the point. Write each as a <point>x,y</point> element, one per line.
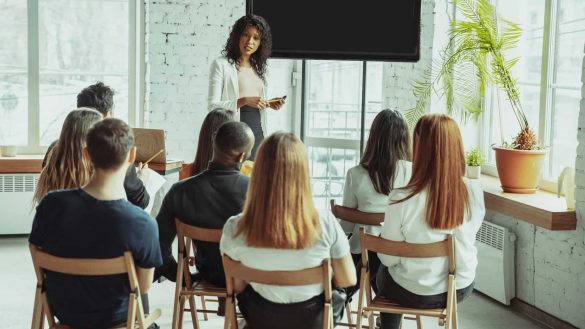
<point>327,167</point>
<point>374,85</point>
<point>334,99</point>
<point>75,52</point>
<point>570,41</point>
<point>563,146</point>
<point>13,73</point>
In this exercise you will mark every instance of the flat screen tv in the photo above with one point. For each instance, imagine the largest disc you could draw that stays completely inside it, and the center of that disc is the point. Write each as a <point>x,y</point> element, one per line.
<point>380,30</point>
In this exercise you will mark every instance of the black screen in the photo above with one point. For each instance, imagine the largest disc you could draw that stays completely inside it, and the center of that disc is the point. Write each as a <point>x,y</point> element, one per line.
<point>383,30</point>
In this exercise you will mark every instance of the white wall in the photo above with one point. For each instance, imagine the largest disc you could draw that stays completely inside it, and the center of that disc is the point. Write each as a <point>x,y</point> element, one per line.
<point>550,266</point>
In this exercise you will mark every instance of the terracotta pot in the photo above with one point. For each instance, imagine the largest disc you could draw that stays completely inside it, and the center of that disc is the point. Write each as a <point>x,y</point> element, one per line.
<point>519,170</point>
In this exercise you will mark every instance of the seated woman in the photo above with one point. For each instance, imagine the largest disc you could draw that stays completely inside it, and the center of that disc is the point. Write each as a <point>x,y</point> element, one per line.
<point>209,127</point>
<point>66,166</point>
<point>437,201</point>
<point>384,166</point>
<point>280,229</point>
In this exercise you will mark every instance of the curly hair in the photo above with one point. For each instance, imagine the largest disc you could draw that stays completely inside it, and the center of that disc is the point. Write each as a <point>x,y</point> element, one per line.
<point>97,96</point>
<point>258,58</point>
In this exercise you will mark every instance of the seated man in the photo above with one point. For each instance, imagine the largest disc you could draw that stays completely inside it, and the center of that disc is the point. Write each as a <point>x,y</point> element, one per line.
<point>101,98</point>
<point>207,200</point>
<point>96,221</point>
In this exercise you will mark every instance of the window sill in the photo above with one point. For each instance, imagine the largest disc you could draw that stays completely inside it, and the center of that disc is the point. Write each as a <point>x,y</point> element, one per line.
<point>543,209</point>
<point>21,164</point>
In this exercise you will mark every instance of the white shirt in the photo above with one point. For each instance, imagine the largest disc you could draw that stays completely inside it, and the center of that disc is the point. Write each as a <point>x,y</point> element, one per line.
<point>331,244</point>
<point>406,221</point>
<point>224,91</point>
<point>359,192</point>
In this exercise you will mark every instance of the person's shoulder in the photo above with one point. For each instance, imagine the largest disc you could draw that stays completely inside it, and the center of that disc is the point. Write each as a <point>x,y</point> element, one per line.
<point>57,196</point>
<point>405,164</point>
<point>231,225</point>
<point>220,61</point>
<point>359,169</point>
<point>475,188</point>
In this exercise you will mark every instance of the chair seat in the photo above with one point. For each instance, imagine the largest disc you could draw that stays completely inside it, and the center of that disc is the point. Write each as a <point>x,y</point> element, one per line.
<point>384,304</point>
<point>205,288</point>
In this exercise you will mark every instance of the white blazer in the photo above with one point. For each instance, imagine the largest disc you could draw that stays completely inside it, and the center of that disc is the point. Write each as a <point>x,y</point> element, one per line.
<point>224,90</point>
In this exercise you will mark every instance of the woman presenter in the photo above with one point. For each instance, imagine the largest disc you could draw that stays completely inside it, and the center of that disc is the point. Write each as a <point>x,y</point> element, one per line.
<point>238,78</point>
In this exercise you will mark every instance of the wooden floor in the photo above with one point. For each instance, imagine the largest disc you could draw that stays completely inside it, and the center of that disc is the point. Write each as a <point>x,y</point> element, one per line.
<point>17,283</point>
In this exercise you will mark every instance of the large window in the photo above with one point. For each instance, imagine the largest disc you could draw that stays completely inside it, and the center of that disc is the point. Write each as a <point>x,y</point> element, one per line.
<point>337,121</point>
<point>53,49</point>
<point>549,77</point>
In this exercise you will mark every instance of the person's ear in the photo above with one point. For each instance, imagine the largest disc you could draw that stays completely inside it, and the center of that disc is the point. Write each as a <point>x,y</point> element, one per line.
<point>132,155</point>
<point>85,153</point>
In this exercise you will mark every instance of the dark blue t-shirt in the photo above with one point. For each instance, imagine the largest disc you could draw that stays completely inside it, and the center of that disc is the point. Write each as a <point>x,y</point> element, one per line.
<point>73,224</point>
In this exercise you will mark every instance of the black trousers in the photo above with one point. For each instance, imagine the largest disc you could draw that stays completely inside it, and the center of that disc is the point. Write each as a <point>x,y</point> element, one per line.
<point>389,288</point>
<point>373,265</point>
<point>251,116</point>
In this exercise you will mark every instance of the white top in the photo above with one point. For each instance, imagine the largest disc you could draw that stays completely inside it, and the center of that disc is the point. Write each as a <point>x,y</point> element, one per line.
<point>331,244</point>
<point>249,83</point>
<point>359,192</point>
<point>224,91</point>
<point>406,221</point>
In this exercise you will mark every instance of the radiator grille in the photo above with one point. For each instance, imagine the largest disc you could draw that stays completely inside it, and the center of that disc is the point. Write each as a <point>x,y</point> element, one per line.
<point>492,235</point>
<point>18,183</point>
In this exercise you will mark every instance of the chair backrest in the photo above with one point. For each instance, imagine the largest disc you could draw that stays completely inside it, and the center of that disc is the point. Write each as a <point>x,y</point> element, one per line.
<point>43,261</point>
<point>185,171</point>
<point>187,233</point>
<point>445,248</point>
<point>356,216</point>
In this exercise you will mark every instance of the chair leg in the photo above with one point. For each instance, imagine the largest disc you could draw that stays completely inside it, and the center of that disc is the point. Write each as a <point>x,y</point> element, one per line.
<point>204,307</point>
<point>193,309</point>
<point>454,314</point>
<point>348,312</point>
<point>38,319</point>
<point>182,311</point>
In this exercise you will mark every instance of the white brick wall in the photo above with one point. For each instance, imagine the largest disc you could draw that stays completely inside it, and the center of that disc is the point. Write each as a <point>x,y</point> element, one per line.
<point>183,37</point>
<point>550,266</point>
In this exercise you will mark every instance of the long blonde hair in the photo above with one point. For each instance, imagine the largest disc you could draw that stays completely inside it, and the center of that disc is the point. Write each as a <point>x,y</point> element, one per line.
<point>66,166</point>
<point>279,211</point>
<point>438,166</point>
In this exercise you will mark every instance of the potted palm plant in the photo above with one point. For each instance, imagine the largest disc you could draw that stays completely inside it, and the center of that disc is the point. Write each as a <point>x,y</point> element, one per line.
<point>473,58</point>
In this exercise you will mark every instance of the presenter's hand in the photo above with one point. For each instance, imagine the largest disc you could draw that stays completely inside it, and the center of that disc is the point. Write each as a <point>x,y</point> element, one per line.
<point>257,102</point>
<point>276,103</point>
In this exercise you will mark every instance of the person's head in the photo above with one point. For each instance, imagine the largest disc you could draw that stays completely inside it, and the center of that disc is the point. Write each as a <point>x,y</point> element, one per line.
<point>279,210</point>
<point>99,97</point>
<point>389,142</point>
<point>211,123</point>
<point>250,37</point>
<point>110,145</point>
<point>233,142</point>
<point>66,167</point>
<point>438,166</point>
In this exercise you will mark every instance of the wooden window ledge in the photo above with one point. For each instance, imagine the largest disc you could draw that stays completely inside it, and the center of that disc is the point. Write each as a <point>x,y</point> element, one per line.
<point>543,209</point>
<point>21,164</point>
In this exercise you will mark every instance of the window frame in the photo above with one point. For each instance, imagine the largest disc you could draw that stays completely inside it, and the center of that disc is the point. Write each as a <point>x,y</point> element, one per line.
<point>136,71</point>
<point>547,90</point>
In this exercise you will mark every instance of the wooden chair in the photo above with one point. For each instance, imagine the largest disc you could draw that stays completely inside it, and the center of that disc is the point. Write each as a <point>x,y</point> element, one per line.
<point>236,270</point>
<point>186,235</point>
<point>447,316</point>
<point>43,261</point>
<point>358,217</point>
<point>185,171</point>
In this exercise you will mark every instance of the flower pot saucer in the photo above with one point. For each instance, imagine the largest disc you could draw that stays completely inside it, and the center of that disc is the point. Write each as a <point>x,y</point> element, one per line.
<point>519,190</point>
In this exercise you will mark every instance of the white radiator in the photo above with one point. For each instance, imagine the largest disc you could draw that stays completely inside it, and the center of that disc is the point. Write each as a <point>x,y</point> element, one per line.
<point>495,275</point>
<point>16,208</point>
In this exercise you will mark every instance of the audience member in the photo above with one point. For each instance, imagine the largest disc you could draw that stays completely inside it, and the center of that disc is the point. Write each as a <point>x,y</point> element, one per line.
<point>384,166</point>
<point>437,201</point>
<point>67,167</point>
<point>204,153</point>
<point>101,98</point>
<point>207,200</point>
<point>97,221</point>
<point>280,229</point>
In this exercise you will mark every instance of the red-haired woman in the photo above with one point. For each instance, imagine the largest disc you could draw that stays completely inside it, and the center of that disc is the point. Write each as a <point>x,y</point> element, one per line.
<point>437,201</point>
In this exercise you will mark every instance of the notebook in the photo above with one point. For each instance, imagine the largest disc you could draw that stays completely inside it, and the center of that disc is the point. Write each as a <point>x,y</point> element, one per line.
<point>148,142</point>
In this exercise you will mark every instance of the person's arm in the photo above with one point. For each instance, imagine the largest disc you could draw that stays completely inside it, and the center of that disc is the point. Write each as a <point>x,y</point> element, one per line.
<point>344,271</point>
<point>392,227</point>
<point>226,247</point>
<point>135,190</point>
<point>167,231</point>
<point>145,276</point>
<point>217,75</point>
<point>350,201</point>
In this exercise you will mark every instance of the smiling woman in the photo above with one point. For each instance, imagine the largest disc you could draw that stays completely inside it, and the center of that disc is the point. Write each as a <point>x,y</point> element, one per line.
<point>238,78</point>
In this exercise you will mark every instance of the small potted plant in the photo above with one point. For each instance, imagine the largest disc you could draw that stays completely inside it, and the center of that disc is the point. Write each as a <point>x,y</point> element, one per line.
<point>474,159</point>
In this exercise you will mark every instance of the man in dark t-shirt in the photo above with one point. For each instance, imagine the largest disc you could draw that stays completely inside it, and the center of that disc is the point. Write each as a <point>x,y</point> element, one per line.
<point>97,221</point>
<point>207,200</point>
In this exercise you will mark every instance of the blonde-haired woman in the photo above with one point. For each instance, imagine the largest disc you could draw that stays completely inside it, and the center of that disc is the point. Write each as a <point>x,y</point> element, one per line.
<point>280,229</point>
<point>437,201</point>
<point>66,167</point>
